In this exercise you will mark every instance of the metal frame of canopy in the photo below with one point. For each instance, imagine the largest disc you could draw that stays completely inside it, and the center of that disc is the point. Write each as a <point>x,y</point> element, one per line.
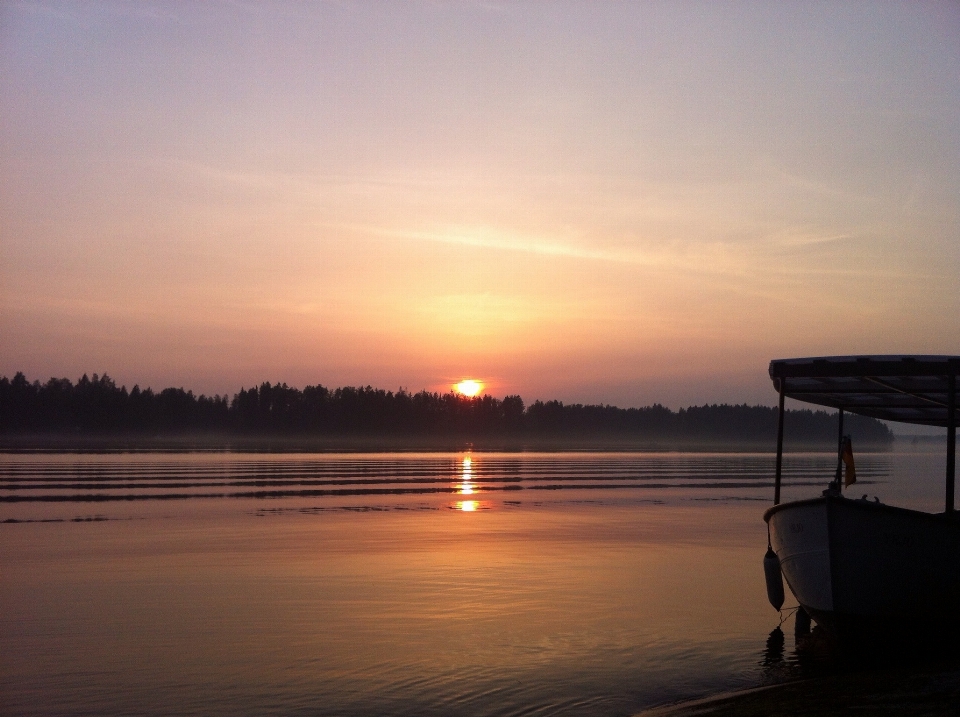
<point>908,389</point>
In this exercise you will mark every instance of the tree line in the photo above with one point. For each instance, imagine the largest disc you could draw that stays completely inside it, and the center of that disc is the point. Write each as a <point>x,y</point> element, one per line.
<point>96,405</point>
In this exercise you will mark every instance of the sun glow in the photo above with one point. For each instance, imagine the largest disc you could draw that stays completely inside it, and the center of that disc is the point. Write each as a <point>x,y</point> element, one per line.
<point>468,387</point>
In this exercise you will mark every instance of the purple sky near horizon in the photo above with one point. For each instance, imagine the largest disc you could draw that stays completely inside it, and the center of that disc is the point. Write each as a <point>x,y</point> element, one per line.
<point>621,203</point>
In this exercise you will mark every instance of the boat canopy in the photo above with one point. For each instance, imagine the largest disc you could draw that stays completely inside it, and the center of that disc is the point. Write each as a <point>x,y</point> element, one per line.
<point>908,389</point>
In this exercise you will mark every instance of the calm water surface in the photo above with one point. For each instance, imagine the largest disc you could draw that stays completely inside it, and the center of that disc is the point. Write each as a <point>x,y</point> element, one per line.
<point>395,584</point>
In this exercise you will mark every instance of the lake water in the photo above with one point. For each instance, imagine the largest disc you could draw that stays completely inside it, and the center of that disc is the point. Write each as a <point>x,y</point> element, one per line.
<point>396,584</point>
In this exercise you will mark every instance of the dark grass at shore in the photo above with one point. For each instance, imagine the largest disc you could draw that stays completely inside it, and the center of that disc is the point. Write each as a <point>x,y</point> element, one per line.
<point>364,443</point>
<point>888,673</point>
<point>931,691</point>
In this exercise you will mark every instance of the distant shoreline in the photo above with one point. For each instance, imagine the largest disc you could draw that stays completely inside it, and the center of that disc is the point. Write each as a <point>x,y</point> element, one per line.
<point>97,414</point>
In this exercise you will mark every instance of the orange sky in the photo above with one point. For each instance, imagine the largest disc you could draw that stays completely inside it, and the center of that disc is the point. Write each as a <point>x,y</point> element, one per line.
<point>625,203</point>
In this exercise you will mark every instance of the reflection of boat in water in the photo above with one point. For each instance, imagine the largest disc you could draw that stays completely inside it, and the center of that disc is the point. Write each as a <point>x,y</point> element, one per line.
<point>853,564</point>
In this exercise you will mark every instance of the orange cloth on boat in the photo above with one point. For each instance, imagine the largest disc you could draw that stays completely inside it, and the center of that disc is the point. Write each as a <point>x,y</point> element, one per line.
<point>846,455</point>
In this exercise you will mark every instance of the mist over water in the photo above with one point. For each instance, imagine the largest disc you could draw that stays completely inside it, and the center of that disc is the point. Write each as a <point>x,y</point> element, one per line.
<point>392,584</point>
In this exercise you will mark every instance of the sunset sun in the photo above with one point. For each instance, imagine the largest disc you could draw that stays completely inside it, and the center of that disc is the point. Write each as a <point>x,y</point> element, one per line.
<point>468,387</point>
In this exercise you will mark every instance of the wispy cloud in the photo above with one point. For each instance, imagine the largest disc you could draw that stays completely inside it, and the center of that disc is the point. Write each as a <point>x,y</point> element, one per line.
<point>810,238</point>
<point>516,244</point>
<point>704,257</point>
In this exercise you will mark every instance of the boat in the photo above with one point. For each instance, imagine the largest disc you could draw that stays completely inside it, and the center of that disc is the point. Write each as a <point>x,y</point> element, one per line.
<point>858,566</point>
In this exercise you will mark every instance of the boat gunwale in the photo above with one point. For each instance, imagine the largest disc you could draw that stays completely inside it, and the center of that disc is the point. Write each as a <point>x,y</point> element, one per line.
<point>861,504</point>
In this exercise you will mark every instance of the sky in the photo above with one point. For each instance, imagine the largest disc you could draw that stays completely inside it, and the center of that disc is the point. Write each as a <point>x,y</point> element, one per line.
<point>624,202</point>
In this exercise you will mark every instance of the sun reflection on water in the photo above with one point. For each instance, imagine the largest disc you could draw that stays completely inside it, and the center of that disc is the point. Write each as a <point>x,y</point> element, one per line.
<point>466,478</point>
<point>466,486</point>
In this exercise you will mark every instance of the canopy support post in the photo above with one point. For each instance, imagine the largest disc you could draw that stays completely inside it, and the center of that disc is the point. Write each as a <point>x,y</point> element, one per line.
<point>951,439</point>
<point>836,480</point>
<point>776,484</point>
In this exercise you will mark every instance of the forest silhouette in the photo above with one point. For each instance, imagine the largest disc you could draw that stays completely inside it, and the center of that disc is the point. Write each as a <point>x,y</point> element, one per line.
<point>96,406</point>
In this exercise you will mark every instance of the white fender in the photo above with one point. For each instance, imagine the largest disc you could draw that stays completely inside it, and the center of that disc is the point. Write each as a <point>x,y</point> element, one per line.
<point>771,570</point>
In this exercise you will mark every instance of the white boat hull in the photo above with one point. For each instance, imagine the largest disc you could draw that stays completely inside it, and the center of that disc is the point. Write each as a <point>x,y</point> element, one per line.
<point>856,565</point>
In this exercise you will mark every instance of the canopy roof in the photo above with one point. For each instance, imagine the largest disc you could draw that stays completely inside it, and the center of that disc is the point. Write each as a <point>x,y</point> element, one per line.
<point>909,389</point>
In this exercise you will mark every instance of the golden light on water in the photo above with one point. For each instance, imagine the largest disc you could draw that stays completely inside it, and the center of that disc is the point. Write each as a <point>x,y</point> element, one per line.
<point>468,387</point>
<point>466,476</point>
<point>468,505</point>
